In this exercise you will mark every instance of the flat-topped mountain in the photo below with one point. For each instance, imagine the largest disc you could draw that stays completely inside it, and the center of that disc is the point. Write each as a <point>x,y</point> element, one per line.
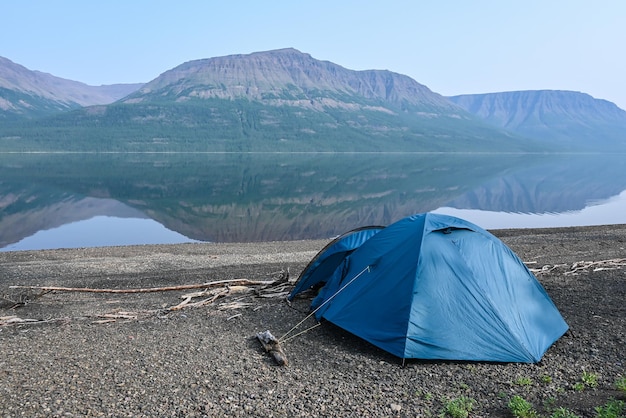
<point>570,120</point>
<point>26,93</point>
<point>287,76</point>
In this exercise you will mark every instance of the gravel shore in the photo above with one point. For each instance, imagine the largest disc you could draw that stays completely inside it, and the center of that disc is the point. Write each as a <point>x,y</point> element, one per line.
<point>117,354</point>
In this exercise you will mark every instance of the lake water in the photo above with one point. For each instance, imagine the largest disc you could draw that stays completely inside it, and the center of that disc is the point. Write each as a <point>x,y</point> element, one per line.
<point>83,200</point>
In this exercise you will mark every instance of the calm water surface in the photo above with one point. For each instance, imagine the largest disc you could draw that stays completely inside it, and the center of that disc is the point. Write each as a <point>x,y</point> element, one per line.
<point>83,200</point>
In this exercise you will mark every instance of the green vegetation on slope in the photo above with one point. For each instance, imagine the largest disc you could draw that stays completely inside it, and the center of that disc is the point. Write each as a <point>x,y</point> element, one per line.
<point>215,125</point>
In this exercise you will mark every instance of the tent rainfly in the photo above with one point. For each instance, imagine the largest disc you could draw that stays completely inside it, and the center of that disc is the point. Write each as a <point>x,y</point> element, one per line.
<point>434,287</point>
<point>333,254</point>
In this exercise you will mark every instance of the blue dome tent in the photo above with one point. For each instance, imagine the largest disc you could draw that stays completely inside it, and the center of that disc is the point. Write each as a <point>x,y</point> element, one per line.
<point>329,258</point>
<point>438,287</point>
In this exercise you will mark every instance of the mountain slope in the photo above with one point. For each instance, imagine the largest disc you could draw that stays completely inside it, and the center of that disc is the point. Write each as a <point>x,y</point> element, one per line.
<point>569,119</point>
<point>26,93</point>
<point>286,76</point>
<point>281,100</point>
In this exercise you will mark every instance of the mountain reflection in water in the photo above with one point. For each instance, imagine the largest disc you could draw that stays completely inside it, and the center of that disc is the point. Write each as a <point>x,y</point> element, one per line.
<point>265,197</point>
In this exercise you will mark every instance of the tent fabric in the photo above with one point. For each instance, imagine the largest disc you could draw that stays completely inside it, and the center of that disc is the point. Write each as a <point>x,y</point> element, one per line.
<point>329,258</point>
<point>438,287</point>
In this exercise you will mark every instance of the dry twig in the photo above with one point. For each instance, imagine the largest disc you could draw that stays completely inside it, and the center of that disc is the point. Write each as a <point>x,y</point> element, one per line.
<point>584,266</point>
<point>211,292</point>
<point>243,282</point>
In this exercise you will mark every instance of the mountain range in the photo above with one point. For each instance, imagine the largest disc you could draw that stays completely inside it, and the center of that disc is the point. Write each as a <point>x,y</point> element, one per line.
<point>569,120</point>
<point>30,94</point>
<point>285,100</point>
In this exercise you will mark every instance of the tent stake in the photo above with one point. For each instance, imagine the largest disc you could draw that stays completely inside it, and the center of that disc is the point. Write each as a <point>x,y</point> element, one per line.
<point>272,346</point>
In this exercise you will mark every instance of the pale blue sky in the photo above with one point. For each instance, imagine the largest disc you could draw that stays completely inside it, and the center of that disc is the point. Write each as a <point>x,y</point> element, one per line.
<point>453,47</point>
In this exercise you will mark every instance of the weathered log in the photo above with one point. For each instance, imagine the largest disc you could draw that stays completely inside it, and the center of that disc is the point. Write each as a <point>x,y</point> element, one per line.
<point>272,346</point>
<point>240,282</point>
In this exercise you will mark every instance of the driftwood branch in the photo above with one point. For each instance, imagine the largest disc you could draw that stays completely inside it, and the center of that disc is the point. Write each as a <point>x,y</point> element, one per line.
<point>207,293</point>
<point>613,264</point>
<point>241,282</point>
<point>584,266</point>
<point>15,320</point>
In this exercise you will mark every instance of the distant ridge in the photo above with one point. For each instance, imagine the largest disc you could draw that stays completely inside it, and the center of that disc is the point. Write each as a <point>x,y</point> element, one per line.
<point>26,93</point>
<point>572,120</point>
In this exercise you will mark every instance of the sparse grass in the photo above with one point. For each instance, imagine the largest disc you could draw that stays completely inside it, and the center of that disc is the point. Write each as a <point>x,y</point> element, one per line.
<point>464,386</point>
<point>427,396</point>
<point>563,413</point>
<point>459,407</point>
<point>612,409</point>
<point>589,379</point>
<point>549,403</point>
<point>521,408</point>
<point>524,381</point>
